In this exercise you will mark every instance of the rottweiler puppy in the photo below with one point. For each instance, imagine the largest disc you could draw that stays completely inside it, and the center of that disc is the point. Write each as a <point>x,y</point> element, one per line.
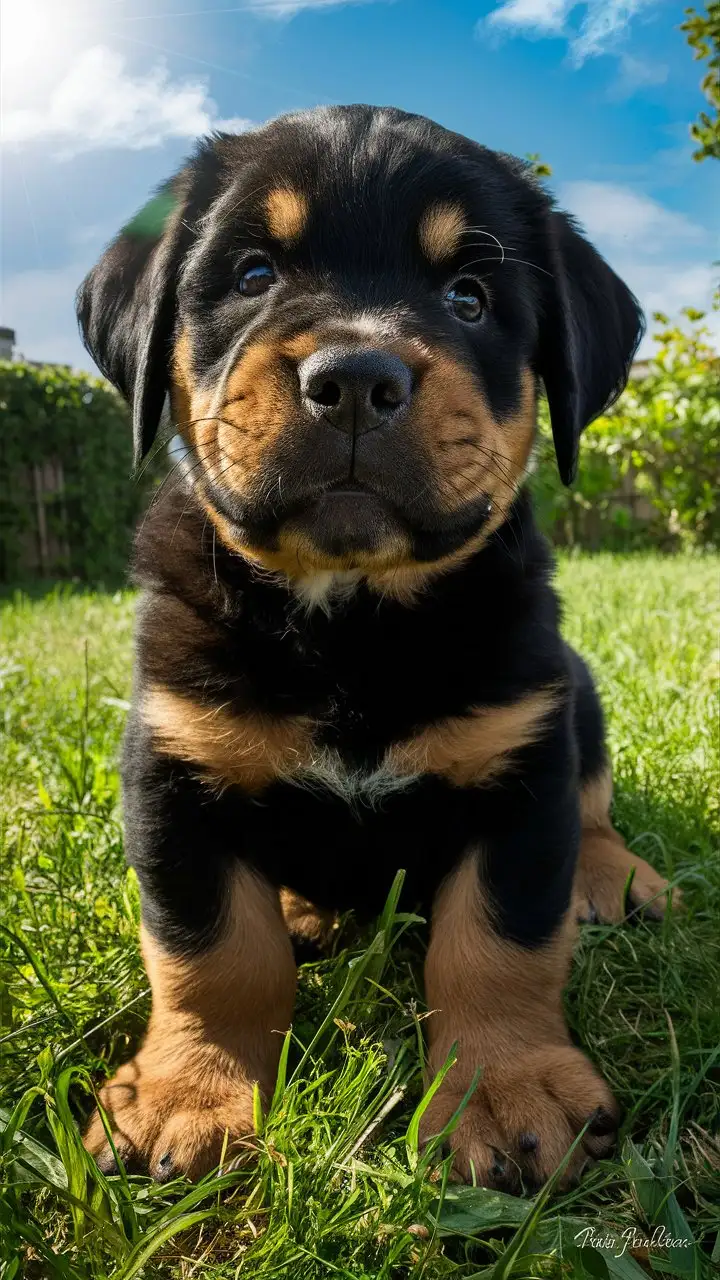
<point>348,654</point>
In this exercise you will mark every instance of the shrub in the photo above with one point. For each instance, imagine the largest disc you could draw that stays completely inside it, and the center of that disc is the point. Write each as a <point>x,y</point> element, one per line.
<point>648,468</point>
<point>67,498</point>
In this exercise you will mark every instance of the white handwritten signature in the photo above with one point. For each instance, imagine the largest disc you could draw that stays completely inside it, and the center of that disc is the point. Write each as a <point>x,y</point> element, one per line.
<point>630,1238</point>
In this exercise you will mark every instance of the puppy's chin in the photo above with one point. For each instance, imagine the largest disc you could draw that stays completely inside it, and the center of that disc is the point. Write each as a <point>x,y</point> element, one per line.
<point>348,528</point>
<point>345,527</point>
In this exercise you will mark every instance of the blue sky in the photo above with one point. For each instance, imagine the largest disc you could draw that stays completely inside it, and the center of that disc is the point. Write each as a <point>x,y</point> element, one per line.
<point>102,99</point>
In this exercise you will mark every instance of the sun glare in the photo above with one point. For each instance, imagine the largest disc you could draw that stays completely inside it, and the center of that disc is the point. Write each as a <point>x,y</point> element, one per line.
<point>37,41</point>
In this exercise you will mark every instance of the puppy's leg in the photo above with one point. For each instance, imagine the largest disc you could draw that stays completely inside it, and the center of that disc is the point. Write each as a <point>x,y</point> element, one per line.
<point>605,865</point>
<point>610,881</point>
<point>307,924</point>
<point>222,974</point>
<point>216,1028</point>
<point>501,1003</point>
<point>501,941</point>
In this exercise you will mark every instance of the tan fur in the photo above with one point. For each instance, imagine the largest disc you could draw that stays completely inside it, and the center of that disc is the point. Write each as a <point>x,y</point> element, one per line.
<point>441,229</point>
<point>595,800</point>
<point>502,1004</point>
<point>259,399</point>
<point>475,749</point>
<point>300,346</point>
<point>187,401</point>
<point>605,866</point>
<point>298,555</point>
<point>192,408</point>
<point>216,1028</point>
<point>406,581</point>
<point>247,750</point>
<point>231,428</point>
<point>305,922</point>
<point>287,213</point>
<point>473,452</point>
<point>256,404</point>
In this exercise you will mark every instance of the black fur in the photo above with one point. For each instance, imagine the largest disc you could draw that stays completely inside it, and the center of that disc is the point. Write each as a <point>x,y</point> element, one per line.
<point>371,673</point>
<point>375,670</point>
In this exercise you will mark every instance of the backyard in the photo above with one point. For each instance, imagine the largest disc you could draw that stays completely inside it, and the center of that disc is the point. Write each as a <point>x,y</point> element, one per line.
<point>339,1187</point>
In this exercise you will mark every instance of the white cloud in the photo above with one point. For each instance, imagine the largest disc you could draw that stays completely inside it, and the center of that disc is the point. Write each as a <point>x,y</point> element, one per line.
<point>40,306</point>
<point>669,287</point>
<point>100,104</point>
<point>602,26</point>
<point>618,217</point>
<point>288,8</point>
<point>531,17</point>
<point>636,73</point>
<point>654,249</point>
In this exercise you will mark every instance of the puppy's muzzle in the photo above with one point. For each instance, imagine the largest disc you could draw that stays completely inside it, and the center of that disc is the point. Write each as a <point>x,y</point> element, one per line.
<point>355,390</point>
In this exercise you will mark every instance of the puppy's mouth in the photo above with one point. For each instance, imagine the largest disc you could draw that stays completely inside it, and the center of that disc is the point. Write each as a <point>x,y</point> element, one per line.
<point>350,525</point>
<point>347,520</point>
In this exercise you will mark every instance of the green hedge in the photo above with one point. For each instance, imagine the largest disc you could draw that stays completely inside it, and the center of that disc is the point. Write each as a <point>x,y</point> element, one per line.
<point>53,416</point>
<point>648,473</point>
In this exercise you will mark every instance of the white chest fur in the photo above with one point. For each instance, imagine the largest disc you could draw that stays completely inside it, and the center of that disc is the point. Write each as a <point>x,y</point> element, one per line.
<point>328,772</point>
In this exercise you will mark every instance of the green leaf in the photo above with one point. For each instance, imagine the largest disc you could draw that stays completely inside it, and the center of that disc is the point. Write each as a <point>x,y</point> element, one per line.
<point>412,1135</point>
<point>156,1239</point>
<point>648,1190</point>
<point>470,1210</point>
<point>30,1154</point>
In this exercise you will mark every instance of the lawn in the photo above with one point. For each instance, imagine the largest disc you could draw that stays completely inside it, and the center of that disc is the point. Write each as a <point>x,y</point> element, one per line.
<point>339,1187</point>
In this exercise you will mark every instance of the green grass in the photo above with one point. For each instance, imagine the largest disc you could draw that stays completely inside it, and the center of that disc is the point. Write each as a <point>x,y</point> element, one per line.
<point>339,1187</point>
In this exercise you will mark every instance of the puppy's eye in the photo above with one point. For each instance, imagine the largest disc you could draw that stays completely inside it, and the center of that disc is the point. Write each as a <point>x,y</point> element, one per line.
<point>466,300</point>
<point>255,279</point>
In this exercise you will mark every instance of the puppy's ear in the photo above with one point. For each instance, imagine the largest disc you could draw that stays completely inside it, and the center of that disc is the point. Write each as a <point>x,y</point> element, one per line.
<point>126,306</point>
<point>589,332</point>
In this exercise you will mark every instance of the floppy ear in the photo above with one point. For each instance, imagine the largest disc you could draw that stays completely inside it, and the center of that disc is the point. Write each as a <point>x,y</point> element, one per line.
<point>590,330</point>
<point>126,306</point>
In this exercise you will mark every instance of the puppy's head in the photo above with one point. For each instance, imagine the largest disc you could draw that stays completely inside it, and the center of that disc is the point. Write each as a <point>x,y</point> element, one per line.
<point>350,310</point>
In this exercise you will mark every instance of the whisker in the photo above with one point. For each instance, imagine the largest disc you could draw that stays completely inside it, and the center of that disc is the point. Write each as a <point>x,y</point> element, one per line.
<point>160,490</point>
<point>484,232</point>
<point>211,417</point>
<point>152,454</point>
<point>503,544</point>
<point>488,471</point>
<point>506,259</point>
<point>491,453</point>
<point>494,456</point>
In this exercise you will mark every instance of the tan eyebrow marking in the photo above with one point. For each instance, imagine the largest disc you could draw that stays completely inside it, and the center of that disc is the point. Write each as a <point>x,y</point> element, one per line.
<point>287,214</point>
<point>440,229</point>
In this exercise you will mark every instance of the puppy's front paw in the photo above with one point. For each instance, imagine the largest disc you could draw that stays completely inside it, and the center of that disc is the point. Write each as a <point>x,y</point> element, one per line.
<point>524,1116</point>
<point>605,866</point>
<point>169,1114</point>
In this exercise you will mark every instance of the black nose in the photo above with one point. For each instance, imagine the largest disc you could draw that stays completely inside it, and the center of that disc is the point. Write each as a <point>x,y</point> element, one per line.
<point>356,390</point>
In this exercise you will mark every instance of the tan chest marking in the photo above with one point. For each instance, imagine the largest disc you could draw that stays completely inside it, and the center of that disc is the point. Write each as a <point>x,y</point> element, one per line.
<point>248,750</point>
<point>474,749</point>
